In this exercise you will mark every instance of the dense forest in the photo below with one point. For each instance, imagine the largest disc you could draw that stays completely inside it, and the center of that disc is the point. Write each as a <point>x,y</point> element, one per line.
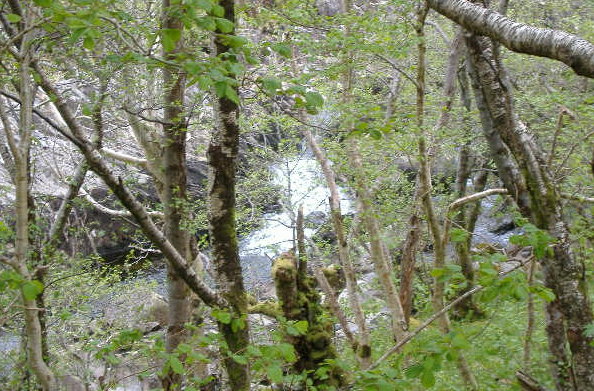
<point>296,195</point>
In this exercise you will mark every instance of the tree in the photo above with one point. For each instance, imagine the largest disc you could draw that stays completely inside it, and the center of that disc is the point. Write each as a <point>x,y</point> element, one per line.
<point>222,161</point>
<point>522,167</point>
<point>558,45</point>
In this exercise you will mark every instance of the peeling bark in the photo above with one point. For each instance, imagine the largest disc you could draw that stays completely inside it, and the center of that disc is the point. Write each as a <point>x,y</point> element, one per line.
<point>539,200</point>
<point>518,37</point>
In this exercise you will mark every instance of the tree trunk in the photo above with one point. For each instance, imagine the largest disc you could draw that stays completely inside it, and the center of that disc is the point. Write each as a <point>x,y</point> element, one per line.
<point>539,200</point>
<point>222,162</point>
<point>364,348</point>
<point>20,151</point>
<point>379,257</point>
<point>173,192</point>
<point>466,220</point>
<point>300,302</point>
<point>425,190</point>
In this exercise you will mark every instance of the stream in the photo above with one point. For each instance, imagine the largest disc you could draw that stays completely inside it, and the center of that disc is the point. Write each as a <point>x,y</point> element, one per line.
<point>304,185</point>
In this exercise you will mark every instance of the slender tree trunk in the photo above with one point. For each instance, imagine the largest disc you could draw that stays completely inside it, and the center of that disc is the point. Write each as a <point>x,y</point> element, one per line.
<point>530,315</point>
<point>378,254</point>
<point>439,241</point>
<point>173,191</point>
<point>463,219</point>
<point>363,349</point>
<point>409,259</point>
<point>222,161</point>
<point>20,153</point>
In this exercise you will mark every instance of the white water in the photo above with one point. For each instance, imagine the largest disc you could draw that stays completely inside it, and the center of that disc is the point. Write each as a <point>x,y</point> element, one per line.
<point>303,184</point>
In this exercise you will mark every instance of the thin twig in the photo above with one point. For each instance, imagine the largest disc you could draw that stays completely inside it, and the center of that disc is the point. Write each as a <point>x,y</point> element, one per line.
<point>432,318</point>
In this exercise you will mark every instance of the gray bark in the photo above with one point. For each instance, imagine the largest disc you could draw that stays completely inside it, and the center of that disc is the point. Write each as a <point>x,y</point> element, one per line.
<point>173,193</point>
<point>518,37</point>
<point>539,200</point>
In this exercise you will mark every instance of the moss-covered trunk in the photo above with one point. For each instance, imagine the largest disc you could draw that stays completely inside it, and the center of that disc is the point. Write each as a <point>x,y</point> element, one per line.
<point>222,162</point>
<point>300,302</point>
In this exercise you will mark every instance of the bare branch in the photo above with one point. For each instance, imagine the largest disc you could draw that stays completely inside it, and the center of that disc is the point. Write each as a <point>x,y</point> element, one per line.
<point>122,157</point>
<point>113,212</point>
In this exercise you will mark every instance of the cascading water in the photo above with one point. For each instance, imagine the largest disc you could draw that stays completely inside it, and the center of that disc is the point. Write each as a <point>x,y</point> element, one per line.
<point>303,184</point>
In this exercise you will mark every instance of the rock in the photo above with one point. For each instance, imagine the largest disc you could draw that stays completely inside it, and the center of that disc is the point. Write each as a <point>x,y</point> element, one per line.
<point>502,225</point>
<point>72,383</point>
<point>315,219</point>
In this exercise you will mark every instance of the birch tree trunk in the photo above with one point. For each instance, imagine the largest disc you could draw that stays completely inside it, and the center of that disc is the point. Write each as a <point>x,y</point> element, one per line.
<point>539,200</point>
<point>518,37</point>
<point>20,150</point>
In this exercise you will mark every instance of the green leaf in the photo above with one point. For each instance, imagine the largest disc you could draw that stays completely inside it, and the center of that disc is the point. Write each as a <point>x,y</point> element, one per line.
<point>220,315</point>
<point>13,18</point>
<point>302,326</point>
<point>414,371</point>
<point>287,351</point>
<point>239,359</point>
<point>217,10</point>
<point>207,23</point>
<point>427,379</point>
<point>543,292</point>
<point>224,25</point>
<point>184,348</point>
<point>89,43</point>
<point>43,3</point>
<point>31,289</point>
<point>176,365</point>
<point>169,38</point>
<point>314,99</point>
<point>206,5</point>
<point>460,342</point>
<point>282,49</point>
<point>204,82</point>
<point>275,373</point>
<point>234,41</point>
<point>296,89</point>
<point>271,84</point>
<point>231,94</point>
<point>237,324</point>
<point>459,235</point>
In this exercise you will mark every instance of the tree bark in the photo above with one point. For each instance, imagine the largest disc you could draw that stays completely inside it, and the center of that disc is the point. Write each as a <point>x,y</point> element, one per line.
<point>518,37</point>
<point>20,151</point>
<point>173,191</point>
<point>539,200</point>
<point>222,162</point>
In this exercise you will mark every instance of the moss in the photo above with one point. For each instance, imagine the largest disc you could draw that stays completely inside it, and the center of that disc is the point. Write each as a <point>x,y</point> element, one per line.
<point>300,301</point>
<point>268,308</point>
<point>335,276</point>
<point>284,268</point>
